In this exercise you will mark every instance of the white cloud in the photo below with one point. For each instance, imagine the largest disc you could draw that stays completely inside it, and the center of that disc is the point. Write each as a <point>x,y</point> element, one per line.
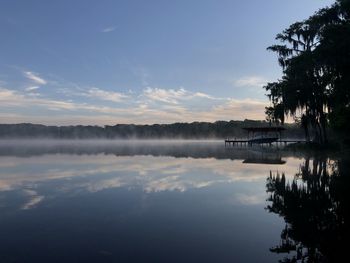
<point>108,29</point>
<point>35,78</point>
<point>251,81</point>
<point>203,95</point>
<point>151,106</point>
<point>235,109</point>
<point>172,96</point>
<point>31,88</point>
<point>105,95</point>
<point>6,94</point>
<point>168,96</point>
<point>15,98</point>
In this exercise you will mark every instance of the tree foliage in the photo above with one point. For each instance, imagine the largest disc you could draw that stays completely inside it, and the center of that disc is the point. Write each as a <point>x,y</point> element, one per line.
<point>315,57</point>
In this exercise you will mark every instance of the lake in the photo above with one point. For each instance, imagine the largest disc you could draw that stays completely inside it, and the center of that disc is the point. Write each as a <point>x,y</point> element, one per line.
<point>177,201</point>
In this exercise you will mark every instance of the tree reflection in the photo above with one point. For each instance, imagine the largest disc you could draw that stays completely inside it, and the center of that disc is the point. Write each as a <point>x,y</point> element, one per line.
<point>315,207</point>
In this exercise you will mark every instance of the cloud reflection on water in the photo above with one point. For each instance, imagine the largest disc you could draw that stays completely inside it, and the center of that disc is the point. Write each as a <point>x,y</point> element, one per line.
<point>152,174</point>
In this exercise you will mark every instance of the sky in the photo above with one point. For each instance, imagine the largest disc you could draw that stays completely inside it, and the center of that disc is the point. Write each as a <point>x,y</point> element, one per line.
<point>134,61</point>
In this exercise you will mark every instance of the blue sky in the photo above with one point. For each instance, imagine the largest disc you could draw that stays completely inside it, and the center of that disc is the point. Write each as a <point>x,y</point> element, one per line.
<point>155,61</point>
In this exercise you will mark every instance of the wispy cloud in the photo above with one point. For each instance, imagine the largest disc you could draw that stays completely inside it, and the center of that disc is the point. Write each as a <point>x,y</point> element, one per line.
<point>35,78</point>
<point>105,95</point>
<point>251,81</point>
<point>168,96</point>
<point>31,88</point>
<point>235,109</point>
<point>173,96</point>
<point>152,105</point>
<point>15,98</point>
<point>108,29</point>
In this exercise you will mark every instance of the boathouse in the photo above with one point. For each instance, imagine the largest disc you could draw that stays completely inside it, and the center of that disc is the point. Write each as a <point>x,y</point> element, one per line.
<point>259,135</point>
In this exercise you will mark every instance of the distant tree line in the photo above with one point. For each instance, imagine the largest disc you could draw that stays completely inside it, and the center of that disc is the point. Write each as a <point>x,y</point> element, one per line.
<point>315,86</point>
<point>194,130</point>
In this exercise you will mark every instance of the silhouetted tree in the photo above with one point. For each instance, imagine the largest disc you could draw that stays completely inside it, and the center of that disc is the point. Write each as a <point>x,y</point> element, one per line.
<point>315,57</point>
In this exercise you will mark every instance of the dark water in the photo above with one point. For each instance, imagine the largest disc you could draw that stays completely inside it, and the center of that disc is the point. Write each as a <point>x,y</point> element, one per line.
<point>169,202</point>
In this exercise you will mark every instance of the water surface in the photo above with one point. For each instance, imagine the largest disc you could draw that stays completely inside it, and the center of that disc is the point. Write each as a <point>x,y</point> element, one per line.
<point>141,202</point>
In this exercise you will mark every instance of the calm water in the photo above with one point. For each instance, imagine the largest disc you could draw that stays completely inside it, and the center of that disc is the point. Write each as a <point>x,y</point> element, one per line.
<point>168,202</point>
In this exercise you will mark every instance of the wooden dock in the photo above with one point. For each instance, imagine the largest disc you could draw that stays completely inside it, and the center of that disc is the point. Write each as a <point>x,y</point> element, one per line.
<point>270,135</point>
<point>250,142</point>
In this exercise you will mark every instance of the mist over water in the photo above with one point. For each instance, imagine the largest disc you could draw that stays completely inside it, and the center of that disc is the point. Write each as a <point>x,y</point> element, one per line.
<point>175,148</point>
